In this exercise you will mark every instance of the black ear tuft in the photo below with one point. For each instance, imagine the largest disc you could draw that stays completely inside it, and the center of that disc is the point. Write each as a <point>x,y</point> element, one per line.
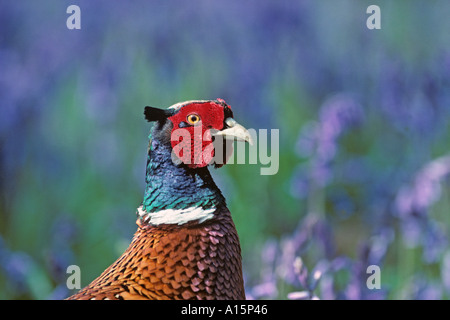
<point>155,114</point>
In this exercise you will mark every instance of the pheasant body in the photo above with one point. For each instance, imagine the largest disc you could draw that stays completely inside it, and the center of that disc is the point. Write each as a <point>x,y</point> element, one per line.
<point>186,245</point>
<point>175,262</point>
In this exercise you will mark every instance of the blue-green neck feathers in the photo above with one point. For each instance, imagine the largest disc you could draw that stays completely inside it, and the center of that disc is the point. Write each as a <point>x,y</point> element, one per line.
<point>175,186</point>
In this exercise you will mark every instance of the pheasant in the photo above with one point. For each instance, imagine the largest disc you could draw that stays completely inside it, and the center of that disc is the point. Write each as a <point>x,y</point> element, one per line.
<point>186,245</point>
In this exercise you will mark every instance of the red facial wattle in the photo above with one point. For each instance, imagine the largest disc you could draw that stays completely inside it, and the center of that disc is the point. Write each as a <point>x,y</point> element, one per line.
<point>192,142</point>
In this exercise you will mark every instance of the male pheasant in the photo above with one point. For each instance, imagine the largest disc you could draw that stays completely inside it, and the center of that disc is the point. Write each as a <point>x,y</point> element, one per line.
<point>186,245</point>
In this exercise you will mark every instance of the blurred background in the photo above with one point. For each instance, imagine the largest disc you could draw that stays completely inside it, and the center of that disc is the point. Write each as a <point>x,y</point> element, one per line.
<point>364,120</point>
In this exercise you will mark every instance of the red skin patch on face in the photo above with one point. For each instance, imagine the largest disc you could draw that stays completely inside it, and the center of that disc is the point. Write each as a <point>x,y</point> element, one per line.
<point>193,143</point>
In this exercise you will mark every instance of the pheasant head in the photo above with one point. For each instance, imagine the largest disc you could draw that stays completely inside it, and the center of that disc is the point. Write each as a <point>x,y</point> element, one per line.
<point>197,130</point>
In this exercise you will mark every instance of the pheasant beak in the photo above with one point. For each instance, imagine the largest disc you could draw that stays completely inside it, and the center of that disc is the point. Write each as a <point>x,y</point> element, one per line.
<point>234,131</point>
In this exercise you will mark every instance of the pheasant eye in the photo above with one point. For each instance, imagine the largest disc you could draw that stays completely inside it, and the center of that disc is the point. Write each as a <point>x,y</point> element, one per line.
<point>193,118</point>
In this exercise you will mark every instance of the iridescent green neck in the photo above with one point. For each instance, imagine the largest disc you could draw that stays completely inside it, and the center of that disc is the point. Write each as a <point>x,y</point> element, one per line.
<point>175,186</point>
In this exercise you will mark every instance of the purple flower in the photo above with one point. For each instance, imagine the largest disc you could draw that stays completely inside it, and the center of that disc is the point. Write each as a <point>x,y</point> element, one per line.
<point>266,286</point>
<point>445,271</point>
<point>299,295</point>
<point>413,203</point>
<point>425,189</point>
<point>307,280</point>
<point>318,140</point>
<point>337,114</point>
<point>264,290</point>
<point>423,289</point>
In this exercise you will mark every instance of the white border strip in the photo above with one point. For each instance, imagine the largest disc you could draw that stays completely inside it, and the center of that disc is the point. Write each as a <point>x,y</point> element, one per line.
<point>176,216</point>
